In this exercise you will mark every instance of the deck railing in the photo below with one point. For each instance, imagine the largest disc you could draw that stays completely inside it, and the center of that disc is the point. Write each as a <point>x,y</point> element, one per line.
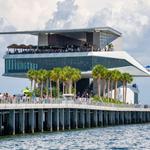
<point>80,101</point>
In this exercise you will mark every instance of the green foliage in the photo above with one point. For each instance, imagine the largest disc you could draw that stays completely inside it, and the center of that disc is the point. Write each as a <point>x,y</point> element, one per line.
<point>98,72</point>
<point>106,100</point>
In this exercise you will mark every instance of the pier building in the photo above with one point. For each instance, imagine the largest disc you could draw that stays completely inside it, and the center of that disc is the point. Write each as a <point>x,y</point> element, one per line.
<point>78,48</point>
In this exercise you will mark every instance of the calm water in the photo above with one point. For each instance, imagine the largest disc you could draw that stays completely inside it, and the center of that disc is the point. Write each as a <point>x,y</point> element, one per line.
<point>119,137</point>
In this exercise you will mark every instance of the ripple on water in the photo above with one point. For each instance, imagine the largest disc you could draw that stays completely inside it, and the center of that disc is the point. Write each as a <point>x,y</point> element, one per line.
<point>114,138</point>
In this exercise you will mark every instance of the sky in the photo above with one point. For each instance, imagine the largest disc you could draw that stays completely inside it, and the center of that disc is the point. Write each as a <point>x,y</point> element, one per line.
<point>131,18</point>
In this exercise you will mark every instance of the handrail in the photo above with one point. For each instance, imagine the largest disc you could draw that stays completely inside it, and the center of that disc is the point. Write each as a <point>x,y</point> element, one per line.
<point>81,101</point>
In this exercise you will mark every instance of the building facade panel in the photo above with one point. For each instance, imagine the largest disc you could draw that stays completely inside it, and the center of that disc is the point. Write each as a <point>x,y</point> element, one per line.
<point>84,63</point>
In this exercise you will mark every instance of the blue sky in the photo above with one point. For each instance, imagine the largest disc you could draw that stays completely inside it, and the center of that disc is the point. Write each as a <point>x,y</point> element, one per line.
<point>132,18</point>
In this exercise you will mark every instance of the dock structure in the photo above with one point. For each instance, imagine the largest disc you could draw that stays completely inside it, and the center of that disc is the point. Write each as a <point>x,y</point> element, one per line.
<point>30,118</point>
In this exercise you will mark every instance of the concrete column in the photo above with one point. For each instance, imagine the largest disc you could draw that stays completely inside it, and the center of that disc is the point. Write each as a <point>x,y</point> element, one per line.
<point>140,117</point>
<point>57,119</point>
<point>117,118</point>
<point>40,120</point>
<point>76,118</point>
<point>1,128</point>
<point>12,121</point>
<point>88,118</point>
<point>121,117</point>
<point>144,119</point>
<point>100,119</point>
<point>129,117</point>
<point>22,121</point>
<point>31,120</point>
<point>95,118</point>
<point>82,118</point>
<point>126,117</point>
<point>62,118</point>
<point>147,117</point>
<point>114,118</point>
<point>109,118</point>
<point>67,116</point>
<point>105,118</point>
<point>49,120</point>
<point>133,117</point>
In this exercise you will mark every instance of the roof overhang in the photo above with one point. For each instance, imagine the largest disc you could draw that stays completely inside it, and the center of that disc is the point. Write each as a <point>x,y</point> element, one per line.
<point>61,31</point>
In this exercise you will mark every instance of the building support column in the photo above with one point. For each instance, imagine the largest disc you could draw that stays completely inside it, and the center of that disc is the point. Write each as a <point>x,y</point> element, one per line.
<point>100,120</point>
<point>67,116</point>
<point>62,118</point>
<point>117,117</point>
<point>125,117</point>
<point>88,118</point>
<point>57,119</point>
<point>95,118</point>
<point>130,118</point>
<point>143,116</point>
<point>12,121</point>
<point>22,121</point>
<point>105,118</point>
<point>82,118</point>
<point>1,125</point>
<point>40,119</point>
<point>49,120</point>
<point>31,120</point>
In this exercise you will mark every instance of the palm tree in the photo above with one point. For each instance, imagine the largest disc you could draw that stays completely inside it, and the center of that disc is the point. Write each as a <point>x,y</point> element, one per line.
<point>125,78</point>
<point>30,74</point>
<point>97,75</point>
<point>42,76</point>
<point>104,76</point>
<point>56,76</point>
<point>116,74</point>
<point>108,78</point>
<point>50,82</point>
<point>110,47</point>
<point>64,80</point>
<point>76,77</point>
<point>35,78</point>
<point>68,73</point>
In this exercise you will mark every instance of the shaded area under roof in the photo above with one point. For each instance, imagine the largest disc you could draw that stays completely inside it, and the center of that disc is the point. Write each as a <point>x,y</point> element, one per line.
<point>59,31</point>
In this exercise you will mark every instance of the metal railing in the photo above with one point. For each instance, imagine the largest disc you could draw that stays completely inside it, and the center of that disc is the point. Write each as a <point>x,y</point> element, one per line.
<point>80,101</point>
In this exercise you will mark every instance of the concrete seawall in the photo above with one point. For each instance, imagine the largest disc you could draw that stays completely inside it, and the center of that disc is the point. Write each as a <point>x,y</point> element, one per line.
<point>30,118</point>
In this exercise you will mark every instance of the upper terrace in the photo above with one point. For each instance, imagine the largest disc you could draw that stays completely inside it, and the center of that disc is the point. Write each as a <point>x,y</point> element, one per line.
<point>70,40</point>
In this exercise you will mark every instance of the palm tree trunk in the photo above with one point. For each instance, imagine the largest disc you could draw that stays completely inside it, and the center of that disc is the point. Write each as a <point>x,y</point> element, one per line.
<point>51,95</point>
<point>63,88</point>
<point>98,87</point>
<point>34,85</point>
<point>115,92</point>
<point>111,89</point>
<point>31,85</point>
<point>108,89</point>
<point>42,89</point>
<point>104,87</point>
<point>75,87</point>
<point>70,87</point>
<point>125,92</point>
<point>47,91</point>
<point>58,88</point>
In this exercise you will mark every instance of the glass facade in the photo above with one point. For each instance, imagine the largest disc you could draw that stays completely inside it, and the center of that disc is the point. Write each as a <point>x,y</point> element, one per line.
<point>84,63</point>
<point>106,38</point>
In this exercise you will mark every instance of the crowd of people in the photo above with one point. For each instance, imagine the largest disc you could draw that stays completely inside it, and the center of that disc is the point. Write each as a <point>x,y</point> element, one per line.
<point>52,49</point>
<point>6,98</point>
